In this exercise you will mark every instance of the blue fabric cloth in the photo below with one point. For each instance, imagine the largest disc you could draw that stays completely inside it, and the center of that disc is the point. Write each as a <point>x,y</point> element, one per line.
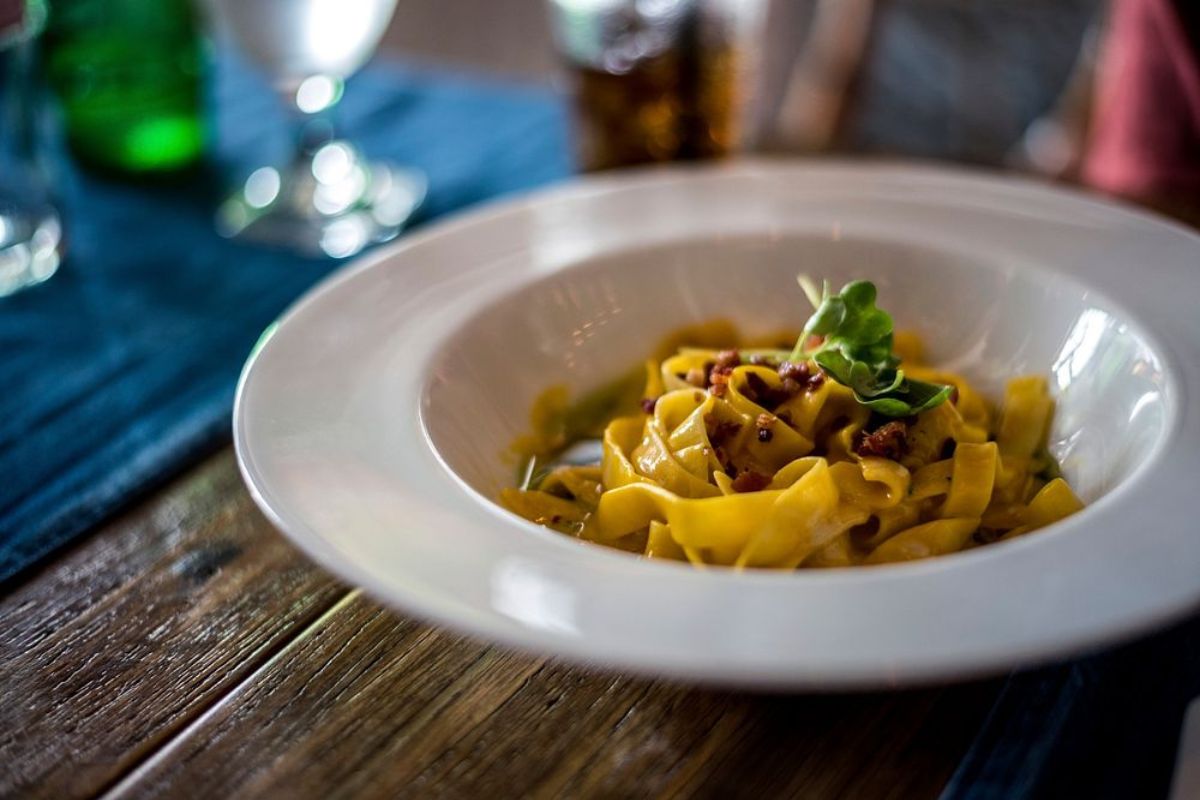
<point>120,370</point>
<point>1104,726</point>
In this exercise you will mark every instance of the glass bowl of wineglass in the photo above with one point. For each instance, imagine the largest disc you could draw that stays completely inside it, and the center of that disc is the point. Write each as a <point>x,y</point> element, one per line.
<point>328,199</point>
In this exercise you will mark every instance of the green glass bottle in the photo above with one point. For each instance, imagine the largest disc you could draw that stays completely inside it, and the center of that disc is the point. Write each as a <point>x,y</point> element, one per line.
<point>127,74</point>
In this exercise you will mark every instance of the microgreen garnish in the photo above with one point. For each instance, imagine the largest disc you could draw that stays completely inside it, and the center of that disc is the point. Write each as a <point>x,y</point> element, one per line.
<point>853,346</point>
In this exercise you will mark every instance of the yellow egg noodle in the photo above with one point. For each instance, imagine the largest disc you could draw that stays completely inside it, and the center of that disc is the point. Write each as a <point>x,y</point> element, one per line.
<point>747,461</point>
<point>664,488</point>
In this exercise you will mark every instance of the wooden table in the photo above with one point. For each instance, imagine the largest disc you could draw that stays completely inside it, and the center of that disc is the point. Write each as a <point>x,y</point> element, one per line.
<point>186,649</point>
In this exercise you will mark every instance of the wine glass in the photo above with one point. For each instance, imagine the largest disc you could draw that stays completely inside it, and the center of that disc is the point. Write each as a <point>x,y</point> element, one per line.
<point>328,200</point>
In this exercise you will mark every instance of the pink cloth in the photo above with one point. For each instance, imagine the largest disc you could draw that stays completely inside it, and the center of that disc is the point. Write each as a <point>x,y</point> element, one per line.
<point>11,14</point>
<point>1145,136</point>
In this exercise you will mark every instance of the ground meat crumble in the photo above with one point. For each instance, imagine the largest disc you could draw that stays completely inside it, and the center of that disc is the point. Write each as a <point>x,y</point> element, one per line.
<point>887,441</point>
<point>750,481</point>
<point>763,424</point>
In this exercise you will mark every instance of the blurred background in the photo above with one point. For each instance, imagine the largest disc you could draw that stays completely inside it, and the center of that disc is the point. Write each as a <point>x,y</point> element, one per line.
<point>1030,85</point>
<point>932,78</point>
<point>1063,88</point>
<point>1102,92</point>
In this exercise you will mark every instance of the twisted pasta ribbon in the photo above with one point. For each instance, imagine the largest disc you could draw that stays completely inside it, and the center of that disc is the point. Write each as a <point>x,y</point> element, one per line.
<point>736,467</point>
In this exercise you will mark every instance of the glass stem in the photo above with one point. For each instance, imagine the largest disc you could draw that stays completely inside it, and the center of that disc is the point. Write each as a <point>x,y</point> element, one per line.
<point>310,108</point>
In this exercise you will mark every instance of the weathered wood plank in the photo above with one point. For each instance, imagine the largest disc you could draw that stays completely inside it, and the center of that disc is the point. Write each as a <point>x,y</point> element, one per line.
<point>368,704</point>
<point>114,646</point>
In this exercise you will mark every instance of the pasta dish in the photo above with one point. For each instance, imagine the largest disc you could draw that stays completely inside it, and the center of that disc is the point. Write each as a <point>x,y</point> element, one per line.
<point>843,449</point>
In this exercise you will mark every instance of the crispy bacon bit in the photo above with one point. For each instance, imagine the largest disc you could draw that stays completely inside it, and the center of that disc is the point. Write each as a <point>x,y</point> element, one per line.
<point>887,441</point>
<point>763,424</point>
<point>757,390</point>
<point>720,370</point>
<point>696,377</point>
<point>727,360</point>
<point>796,370</point>
<point>648,404</point>
<point>802,374</point>
<point>750,481</point>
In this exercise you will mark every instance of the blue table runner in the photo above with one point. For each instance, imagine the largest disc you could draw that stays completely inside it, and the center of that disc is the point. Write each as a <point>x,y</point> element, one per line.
<point>120,370</point>
<point>1098,727</point>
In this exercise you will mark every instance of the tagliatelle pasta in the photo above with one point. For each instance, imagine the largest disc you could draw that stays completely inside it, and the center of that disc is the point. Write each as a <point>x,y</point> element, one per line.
<point>756,458</point>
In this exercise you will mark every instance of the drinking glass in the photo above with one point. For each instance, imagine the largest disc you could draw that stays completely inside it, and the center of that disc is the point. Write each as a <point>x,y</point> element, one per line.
<point>658,80</point>
<point>328,200</point>
<point>30,231</point>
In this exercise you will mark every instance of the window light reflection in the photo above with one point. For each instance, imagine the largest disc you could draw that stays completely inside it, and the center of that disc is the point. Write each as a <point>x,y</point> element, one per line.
<point>262,187</point>
<point>521,591</point>
<point>1080,346</point>
<point>318,92</point>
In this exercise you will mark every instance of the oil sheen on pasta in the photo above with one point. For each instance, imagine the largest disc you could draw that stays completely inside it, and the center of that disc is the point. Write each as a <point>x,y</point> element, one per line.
<point>712,459</point>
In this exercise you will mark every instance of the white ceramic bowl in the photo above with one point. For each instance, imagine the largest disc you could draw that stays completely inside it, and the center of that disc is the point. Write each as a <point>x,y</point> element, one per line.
<point>371,422</point>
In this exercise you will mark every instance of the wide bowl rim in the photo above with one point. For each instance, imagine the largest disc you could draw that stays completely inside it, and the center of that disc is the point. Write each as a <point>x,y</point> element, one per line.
<point>310,540</point>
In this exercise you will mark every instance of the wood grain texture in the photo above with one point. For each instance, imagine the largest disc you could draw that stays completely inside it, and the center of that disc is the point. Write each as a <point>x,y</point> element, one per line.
<point>115,645</point>
<point>368,704</point>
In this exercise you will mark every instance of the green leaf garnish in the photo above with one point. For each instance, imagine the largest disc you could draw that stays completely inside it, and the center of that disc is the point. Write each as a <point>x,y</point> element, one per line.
<point>856,350</point>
